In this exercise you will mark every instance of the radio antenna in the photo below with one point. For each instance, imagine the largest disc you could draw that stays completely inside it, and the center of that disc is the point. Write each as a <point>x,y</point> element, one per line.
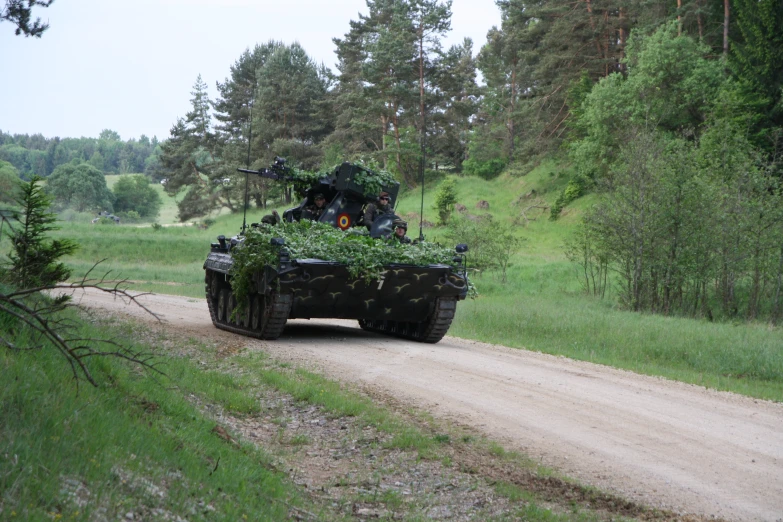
<point>247,163</point>
<point>422,163</point>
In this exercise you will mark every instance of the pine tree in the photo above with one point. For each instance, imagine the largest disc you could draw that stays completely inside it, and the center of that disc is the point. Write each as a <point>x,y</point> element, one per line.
<point>35,260</point>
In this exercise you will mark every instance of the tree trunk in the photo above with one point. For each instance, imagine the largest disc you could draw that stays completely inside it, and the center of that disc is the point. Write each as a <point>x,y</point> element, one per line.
<point>395,122</point>
<point>512,109</point>
<point>725,28</point>
<point>776,303</point>
<point>622,38</point>
<point>421,89</point>
<point>679,18</point>
<point>699,20</point>
<point>384,128</point>
<point>606,43</point>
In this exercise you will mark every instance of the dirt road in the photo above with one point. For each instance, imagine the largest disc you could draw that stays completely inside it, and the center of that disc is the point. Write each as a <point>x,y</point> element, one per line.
<point>657,442</point>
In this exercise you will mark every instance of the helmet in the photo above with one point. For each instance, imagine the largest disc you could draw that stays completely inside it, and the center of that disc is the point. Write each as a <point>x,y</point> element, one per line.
<point>398,223</point>
<point>318,196</point>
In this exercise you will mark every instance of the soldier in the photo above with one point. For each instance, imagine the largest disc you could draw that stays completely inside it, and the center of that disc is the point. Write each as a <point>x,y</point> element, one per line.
<point>400,228</point>
<point>373,210</point>
<point>317,208</point>
<point>271,219</point>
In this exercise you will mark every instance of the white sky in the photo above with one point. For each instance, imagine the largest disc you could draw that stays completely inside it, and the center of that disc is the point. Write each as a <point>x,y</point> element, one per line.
<point>130,65</point>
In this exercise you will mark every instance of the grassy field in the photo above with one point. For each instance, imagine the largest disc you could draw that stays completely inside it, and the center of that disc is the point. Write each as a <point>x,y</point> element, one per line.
<point>540,307</point>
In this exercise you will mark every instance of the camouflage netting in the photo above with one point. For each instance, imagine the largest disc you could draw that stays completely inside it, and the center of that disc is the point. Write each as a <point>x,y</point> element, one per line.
<point>364,256</point>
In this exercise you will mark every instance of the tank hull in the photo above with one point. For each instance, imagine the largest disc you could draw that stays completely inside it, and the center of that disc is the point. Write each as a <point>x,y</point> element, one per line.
<point>416,302</point>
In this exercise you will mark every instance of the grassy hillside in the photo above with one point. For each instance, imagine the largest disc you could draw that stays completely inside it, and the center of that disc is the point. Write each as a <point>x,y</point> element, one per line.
<point>541,306</point>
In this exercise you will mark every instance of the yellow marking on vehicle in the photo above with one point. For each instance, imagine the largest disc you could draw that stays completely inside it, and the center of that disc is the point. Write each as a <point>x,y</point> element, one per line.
<point>330,276</point>
<point>398,289</point>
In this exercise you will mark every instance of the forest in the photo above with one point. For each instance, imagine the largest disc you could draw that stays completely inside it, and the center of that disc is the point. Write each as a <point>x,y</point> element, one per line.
<point>36,154</point>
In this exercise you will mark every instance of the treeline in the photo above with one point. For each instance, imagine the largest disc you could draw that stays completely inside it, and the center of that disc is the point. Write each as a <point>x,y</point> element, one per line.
<point>684,147</point>
<point>399,97</point>
<point>37,155</point>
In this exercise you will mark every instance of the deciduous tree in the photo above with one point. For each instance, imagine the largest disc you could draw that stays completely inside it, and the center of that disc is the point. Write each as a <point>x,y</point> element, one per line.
<point>80,186</point>
<point>134,193</point>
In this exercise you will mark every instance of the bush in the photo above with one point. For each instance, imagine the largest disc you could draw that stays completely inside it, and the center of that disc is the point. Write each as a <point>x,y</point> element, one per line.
<point>575,188</point>
<point>135,194</point>
<point>130,216</point>
<point>488,169</point>
<point>491,244</point>
<point>445,199</point>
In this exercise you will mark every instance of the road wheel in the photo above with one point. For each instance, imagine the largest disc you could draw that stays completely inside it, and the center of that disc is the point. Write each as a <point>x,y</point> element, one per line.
<point>232,304</point>
<point>257,312</point>
<point>215,284</point>
<point>245,319</point>
<point>222,307</point>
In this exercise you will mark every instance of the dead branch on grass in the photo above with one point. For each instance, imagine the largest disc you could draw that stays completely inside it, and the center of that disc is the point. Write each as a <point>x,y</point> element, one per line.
<point>40,311</point>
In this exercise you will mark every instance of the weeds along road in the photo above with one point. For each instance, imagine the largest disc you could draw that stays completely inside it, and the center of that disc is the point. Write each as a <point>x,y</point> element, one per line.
<point>656,442</point>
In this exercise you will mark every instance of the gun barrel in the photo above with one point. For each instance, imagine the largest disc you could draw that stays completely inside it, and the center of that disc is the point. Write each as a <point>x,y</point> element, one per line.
<point>264,173</point>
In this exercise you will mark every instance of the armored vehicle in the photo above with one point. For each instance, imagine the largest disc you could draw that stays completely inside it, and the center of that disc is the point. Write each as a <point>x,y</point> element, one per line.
<point>411,301</point>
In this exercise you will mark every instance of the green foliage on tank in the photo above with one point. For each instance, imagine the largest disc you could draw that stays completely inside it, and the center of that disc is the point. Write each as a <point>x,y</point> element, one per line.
<point>364,256</point>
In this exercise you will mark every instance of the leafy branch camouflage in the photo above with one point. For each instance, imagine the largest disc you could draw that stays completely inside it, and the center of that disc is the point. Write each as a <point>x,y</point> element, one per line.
<point>364,256</point>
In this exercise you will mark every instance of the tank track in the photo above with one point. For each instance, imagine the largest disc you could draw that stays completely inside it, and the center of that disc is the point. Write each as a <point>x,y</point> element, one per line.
<point>431,330</point>
<point>264,318</point>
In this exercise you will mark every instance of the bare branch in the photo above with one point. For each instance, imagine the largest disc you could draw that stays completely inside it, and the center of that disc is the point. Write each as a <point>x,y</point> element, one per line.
<point>41,316</point>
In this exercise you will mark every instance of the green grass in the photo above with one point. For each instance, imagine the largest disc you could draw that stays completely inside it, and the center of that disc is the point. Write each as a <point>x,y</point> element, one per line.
<point>135,444</point>
<point>540,308</point>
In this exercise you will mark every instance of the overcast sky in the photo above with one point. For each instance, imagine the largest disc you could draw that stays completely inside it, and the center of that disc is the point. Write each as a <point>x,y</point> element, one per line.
<point>130,65</point>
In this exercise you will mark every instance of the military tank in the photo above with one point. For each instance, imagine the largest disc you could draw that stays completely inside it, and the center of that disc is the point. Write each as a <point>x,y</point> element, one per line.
<point>410,301</point>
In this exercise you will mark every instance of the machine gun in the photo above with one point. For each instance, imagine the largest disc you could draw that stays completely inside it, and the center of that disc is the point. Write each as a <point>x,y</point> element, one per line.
<point>346,198</point>
<point>276,171</point>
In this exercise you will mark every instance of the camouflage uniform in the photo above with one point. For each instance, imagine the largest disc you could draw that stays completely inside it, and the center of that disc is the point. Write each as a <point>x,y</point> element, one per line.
<point>271,219</point>
<point>373,210</point>
<point>314,210</point>
<point>400,224</point>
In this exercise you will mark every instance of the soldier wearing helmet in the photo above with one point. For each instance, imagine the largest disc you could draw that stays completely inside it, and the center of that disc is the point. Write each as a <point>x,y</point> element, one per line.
<point>374,210</point>
<point>400,228</point>
<point>317,208</point>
